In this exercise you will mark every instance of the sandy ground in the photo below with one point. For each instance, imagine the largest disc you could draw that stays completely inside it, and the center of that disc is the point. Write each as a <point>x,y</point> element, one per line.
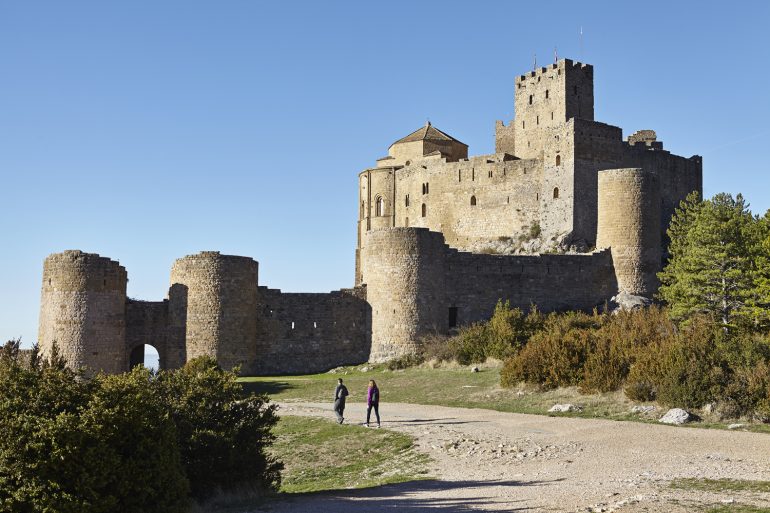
<point>485,460</point>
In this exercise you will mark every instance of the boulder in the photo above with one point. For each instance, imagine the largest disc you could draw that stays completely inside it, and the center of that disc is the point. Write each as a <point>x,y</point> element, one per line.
<point>677,417</point>
<point>643,409</point>
<point>564,408</point>
<point>626,301</point>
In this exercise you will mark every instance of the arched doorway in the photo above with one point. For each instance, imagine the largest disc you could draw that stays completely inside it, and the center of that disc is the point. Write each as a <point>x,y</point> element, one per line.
<point>146,355</point>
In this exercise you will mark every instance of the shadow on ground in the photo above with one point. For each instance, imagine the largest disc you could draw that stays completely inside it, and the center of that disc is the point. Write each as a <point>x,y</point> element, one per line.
<point>412,497</point>
<point>266,387</point>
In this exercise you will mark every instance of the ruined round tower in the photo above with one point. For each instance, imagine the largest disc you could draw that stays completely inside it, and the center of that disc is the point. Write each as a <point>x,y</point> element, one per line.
<point>629,223</point>
<point>403,269</point>
<point>213,304</point>
<point>83,309</point>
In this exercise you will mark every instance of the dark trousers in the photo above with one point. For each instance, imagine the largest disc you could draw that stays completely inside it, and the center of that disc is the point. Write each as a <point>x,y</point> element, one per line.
<point>376,408</point>
<point>339,409</point>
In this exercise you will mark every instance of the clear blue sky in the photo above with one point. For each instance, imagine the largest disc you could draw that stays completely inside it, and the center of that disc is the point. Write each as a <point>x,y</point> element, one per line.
<point>145,131</point>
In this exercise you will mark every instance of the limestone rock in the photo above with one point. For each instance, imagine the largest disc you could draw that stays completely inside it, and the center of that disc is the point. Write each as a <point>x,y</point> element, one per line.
<point>564,408</point>
<point>677,417</point>
<point>626,301</point>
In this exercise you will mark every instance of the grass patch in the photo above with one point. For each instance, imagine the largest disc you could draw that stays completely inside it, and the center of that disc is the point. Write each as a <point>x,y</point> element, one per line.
<point>721,485</point>
<point>456,386</point>
<point>319,454</point>
<point>738,508</point>
<point>452,386</point>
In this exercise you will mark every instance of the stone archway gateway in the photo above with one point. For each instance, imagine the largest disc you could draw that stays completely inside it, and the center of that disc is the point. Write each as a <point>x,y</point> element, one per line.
<point>145,354</point>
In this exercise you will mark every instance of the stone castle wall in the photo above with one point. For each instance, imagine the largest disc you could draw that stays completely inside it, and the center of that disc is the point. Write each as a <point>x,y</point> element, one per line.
<point>312,332</point>
<point>147,324</point>
<point>556,171</point>
<point>82,310</point>
<point>417,284</point>
<point>404,272</point>
<point>215,308</point>
<point>220,294</point>
<point>629,224</point>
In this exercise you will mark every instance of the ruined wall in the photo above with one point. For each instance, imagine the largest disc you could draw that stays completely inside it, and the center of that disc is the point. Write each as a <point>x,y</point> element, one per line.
<point>505,137</point>
<point>629,221</point>
<point>403,269</point>
<point>219,295</point>
<point>313,332</point>
<point>82,309</point>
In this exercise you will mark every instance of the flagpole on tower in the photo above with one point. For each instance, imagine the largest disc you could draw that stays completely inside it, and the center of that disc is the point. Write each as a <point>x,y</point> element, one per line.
<point>534,61</point>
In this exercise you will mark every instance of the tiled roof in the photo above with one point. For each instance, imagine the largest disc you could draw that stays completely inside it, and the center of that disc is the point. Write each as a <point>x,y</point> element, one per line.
<point>429,133</point>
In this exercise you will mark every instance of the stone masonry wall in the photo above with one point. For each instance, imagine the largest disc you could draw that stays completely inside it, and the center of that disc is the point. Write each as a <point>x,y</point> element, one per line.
<point>552,282</point>
<point>414,281</point>
<point>403,269</point>
<point>147,323</point>
<point>312,332</point>
<point>82,309</point>
<point>629,221</point>
<point>221,300</point>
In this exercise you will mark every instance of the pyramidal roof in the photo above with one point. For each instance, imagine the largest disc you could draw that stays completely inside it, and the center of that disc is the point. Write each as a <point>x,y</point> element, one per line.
<point>427,133</point>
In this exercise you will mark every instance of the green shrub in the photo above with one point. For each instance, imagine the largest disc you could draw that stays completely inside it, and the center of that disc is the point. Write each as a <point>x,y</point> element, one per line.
<point>501,337</point>
<point>405,361</point>
<point>619,341</point>
<point>554,356</point>
<point>70,445</point>
<point>133,442</point>
<point>436,347</point>
<point>470,344</point>
<point>681,369</point>
<point>222,435</point>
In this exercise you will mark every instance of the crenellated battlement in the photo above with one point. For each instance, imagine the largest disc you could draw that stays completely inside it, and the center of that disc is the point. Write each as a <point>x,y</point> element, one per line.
<point>563,64</point>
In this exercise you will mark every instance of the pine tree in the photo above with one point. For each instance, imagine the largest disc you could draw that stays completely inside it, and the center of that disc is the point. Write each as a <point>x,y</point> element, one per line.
<point>712,267</point>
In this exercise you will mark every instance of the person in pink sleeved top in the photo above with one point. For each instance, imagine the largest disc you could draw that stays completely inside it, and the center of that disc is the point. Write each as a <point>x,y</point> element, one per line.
<point>372,402</point>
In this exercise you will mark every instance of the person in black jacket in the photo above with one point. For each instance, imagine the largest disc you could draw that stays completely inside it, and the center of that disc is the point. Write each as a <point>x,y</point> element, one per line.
<point>339,400</point>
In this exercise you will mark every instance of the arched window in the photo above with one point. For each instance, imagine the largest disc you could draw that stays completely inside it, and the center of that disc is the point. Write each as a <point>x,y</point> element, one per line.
<point>379,206</point>
<point>424,210</point>
<point>530,99</point>
<point>406,222</point>
<point>546,93</point>
<point>406,200</point>
<point>555,193</point>
<point>558,160</point>
<point>473,201</point>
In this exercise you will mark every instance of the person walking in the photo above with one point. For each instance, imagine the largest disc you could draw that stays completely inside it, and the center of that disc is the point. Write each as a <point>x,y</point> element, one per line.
<point>372,402</point>
<point>339,400</point>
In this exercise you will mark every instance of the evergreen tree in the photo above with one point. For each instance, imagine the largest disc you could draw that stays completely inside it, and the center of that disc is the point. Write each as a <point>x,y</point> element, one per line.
<point>713,264</point>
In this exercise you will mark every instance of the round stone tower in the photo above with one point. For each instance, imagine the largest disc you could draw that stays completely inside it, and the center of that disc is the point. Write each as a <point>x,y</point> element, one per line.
<point>629,223</point>
<point>213,301</point>
<point>83,310</point>
<point>403,269</point>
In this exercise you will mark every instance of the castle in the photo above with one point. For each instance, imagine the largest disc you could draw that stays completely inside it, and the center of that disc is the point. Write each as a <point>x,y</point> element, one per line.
<point>583,211</point>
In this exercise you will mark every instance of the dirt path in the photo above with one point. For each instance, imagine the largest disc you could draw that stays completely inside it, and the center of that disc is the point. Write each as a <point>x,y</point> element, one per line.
<point>491,461</point>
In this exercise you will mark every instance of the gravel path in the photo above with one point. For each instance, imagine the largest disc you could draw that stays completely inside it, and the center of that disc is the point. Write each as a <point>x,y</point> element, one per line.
<point>485,460</point>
